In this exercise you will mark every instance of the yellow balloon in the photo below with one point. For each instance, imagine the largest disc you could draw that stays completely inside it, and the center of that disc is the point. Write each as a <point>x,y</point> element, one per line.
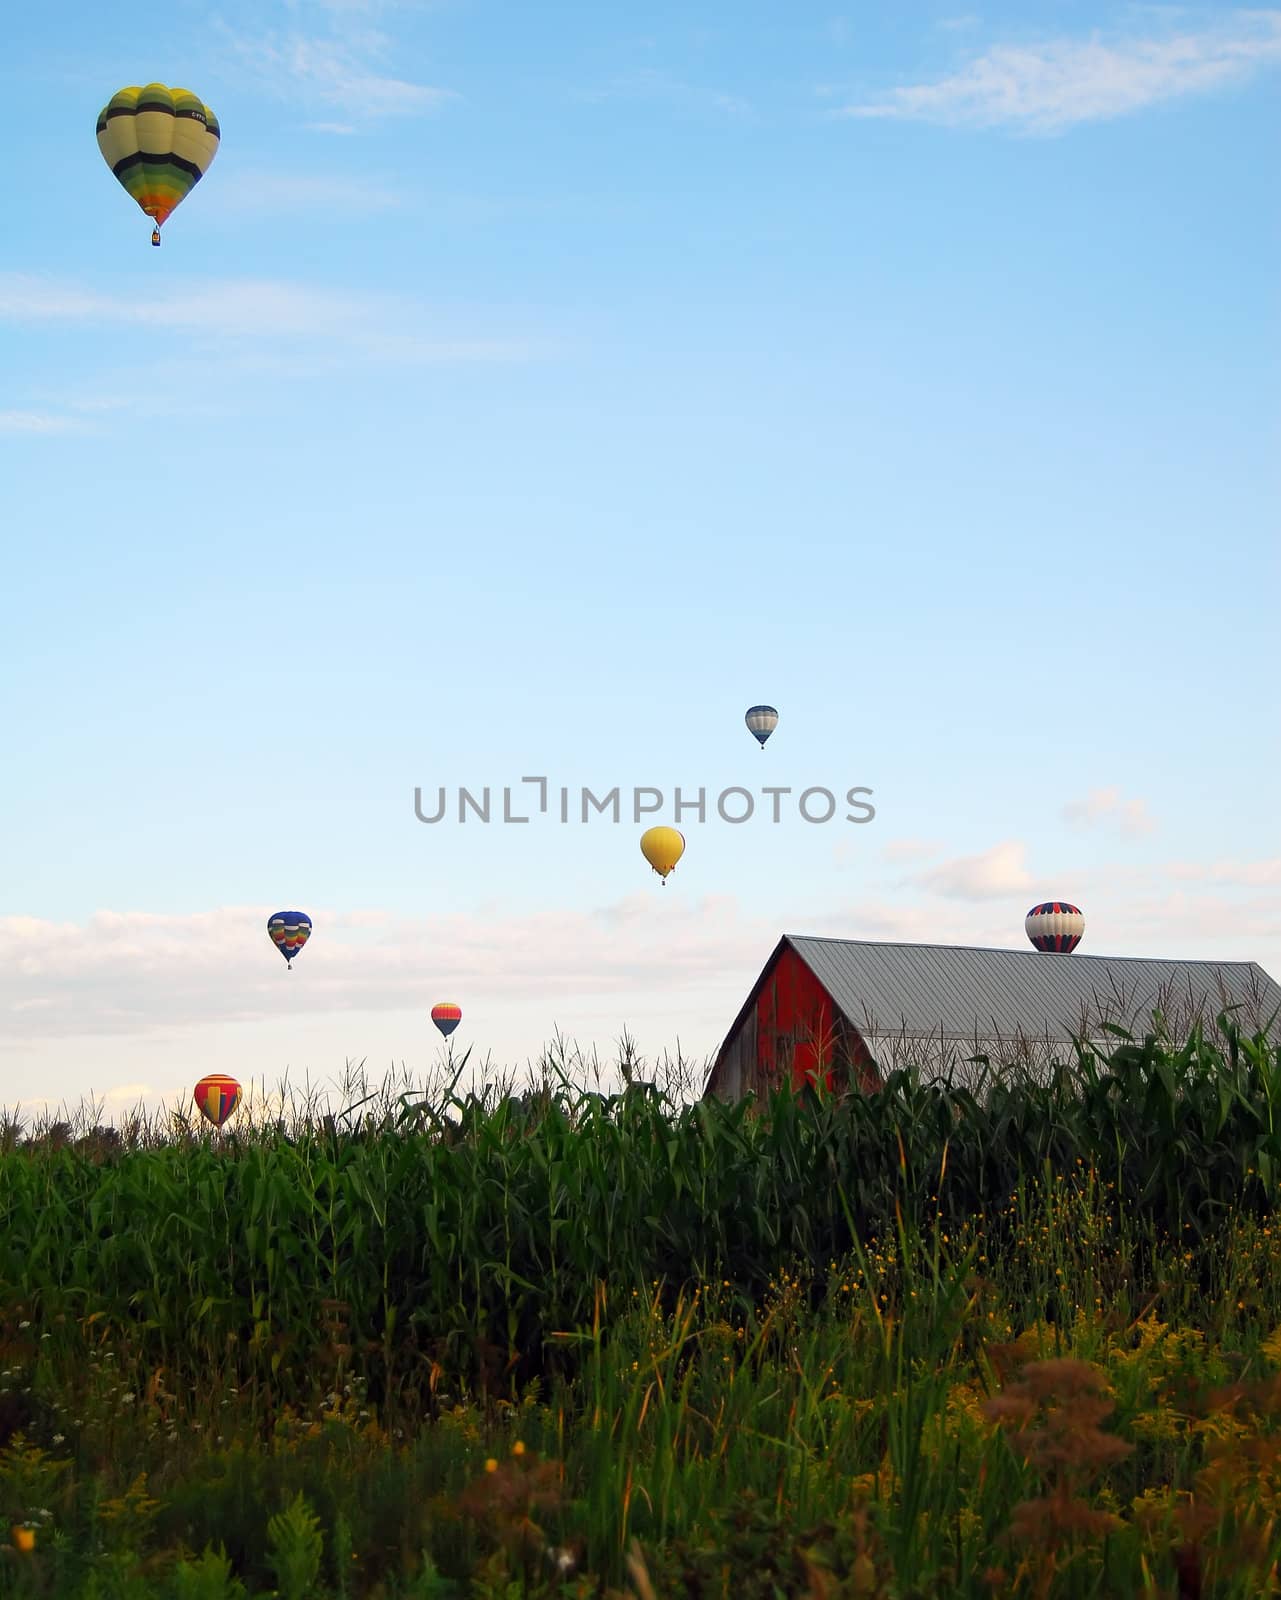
<point>159,143</point>
<point>662,848</point>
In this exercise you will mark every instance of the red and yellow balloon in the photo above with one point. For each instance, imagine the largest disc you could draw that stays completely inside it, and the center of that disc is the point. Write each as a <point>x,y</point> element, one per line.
<point>446,1016</point>
<point>217,1096</point>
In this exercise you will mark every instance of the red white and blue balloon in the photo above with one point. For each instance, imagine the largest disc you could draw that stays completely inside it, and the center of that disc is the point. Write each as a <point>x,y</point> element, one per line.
<point>1056,926</point>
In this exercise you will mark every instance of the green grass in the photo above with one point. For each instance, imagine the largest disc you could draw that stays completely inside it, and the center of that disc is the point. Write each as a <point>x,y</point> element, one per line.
<point>1019,1339</point>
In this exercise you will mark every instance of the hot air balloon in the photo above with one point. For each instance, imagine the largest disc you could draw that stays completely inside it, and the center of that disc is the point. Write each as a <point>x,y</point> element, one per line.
<point>662,848</point>
<point>446,1017</point>
<point>217,1096</point>
<point>1056,926</point>
<point>761,722</point>
<point>289,931</point>
<point>159,143</point>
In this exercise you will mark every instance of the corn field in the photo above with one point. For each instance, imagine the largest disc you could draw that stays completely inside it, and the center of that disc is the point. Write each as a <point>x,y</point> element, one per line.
<point>1017,1336</point>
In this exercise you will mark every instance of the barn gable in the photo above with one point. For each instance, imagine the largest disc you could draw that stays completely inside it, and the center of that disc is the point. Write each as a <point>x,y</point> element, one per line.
<point>789,1028</point>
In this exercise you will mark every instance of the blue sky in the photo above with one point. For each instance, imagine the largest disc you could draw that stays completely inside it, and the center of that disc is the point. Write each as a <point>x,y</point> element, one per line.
<point>530,390</point>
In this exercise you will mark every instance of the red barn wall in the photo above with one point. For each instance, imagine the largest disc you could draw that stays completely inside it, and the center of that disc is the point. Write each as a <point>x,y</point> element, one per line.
<point>794,1028</point>
<point>794,1025</point>
<point>793,1022</point>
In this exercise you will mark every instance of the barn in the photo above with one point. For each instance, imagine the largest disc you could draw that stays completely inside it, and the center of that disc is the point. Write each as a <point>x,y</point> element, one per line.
<point>852,1010</point>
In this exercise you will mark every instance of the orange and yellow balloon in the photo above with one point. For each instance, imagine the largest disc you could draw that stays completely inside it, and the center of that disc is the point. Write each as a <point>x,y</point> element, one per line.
<point>662,848</point>
<point>159,143</point>
<point>217,1096</point>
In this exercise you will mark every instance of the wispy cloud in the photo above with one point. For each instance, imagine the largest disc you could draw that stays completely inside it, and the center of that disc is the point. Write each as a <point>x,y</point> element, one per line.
<point>1239,874</point>
<point>650,83</point>
<point>282,192</point>
<point>376,327</point>
<point>252,308</point>
<point>342,8</point>
<point>911,849</point>
<point>64,413</point>
<point>990,875</point>
<point>343,70</point>
<point>1045,88</point>
<point>38,422</point>
<point>96,405</point>
<point>1108,807</point>
<point>122,1094</point>
<point>1198,926</point>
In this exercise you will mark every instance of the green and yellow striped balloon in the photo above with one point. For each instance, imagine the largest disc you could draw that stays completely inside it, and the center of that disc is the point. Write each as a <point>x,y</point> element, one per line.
<point>159,142</point>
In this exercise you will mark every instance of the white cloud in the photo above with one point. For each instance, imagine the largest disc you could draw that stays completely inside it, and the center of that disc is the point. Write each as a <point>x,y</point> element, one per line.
<point>911,849</point>
<point>281,193</point>
<point>249,308</point>
<point>1051,86</point>
<point>648,83</point>
<point>1238,874</point>
<point>907,922</point>
<point>336,76</point>
<point>1108,806</point>
<point>1198,926</point>
<point>127,1093</point>
<point>1171,926</point>
<point>37,422</point>
<point>101,403</point>
<point>133,972</point>
<point>340,7</point>
<point>991,875</point>
<point>341,70</point>
<point>381,328</point>
<point>853,849</point>
<point>132,1000</point>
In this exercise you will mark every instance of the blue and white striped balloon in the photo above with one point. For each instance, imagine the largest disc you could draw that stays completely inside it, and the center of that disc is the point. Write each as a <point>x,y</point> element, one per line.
<point>761,722</point>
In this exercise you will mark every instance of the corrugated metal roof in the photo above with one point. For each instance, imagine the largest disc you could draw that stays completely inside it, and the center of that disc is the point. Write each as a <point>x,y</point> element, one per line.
<point>953,992</point>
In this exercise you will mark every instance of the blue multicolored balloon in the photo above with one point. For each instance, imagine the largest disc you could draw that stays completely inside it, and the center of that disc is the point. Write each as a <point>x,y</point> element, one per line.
<point>289,931</point>
<point>761,722</point>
